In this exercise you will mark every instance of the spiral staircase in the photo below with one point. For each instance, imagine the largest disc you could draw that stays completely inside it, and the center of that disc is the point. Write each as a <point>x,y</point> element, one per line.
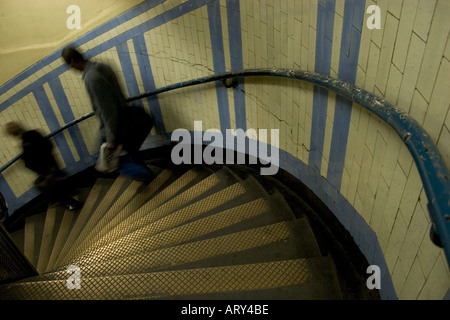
<point>195,232</point>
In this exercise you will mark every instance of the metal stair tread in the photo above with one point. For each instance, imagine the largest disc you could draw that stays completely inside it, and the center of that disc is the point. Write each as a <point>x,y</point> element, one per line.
<point>277,211</point>
<point>124,194</point>
<point>33,233</point>
<point>321,283</point>
<point>287,248</point>
<point>68,219</point>
<point>135,203</point>
<point>66,223</point>
<point>53,219</point>
<point>138,202</point>
<point>210,185</point>
<point>115,193</point>
<point>18,239</point>
<point>178,231</point>
<point>222,200</point>
<point>312,273</point>
<point>182,233</point>
<point>98,191</point>
<point>185,254</point>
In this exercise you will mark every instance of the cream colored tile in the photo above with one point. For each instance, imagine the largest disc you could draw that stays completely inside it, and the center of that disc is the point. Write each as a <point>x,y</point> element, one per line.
<point>372,67</point>
<point>424,16</point>
<point>336,47</point>
<point>396,240</point>
<point>443,145</point>
<point>411,73</point>
<point>413,284</point>
<point>395,7</point>
<point>436,42</point>
<point>408,13</point>
<point>393,87</point>
<point>387,49</point>
<point>438,282</point>
<point>377,35</point>
<point>398,276</point>
<point>439,103</point>
<point>417,231</point>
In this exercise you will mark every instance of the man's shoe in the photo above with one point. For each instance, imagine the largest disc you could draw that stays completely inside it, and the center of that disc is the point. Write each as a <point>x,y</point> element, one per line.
<point>108,160</point>
<point>73,205</point>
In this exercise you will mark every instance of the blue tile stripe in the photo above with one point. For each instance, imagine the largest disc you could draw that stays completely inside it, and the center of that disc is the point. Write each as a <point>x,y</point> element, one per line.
<point>149,82</point>
<point>128,72</point>
<point>148,25</point>
<point>324,37</point>
<point>68,116</point>
<point>348,65</point>
<point>6,191</point>
<point>318,123</point>
<point>215,26</point>
<point>237,64</point>
<point>32,87</point>
<point>13,202</point>
<point>52,122</point>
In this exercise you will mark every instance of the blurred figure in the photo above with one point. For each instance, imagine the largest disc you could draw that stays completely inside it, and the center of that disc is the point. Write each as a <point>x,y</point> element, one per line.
<point>38,157</point>
<point>122,127</point>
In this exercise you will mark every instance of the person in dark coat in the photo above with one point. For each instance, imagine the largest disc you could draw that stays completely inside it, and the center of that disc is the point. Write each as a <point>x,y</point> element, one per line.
<point>38,157</point>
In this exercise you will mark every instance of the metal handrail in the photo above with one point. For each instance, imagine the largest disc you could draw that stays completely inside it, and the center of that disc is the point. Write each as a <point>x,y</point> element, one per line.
<point>432,169</point>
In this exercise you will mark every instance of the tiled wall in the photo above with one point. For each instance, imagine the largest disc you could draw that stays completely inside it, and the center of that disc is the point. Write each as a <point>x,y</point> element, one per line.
<point>355,163</point>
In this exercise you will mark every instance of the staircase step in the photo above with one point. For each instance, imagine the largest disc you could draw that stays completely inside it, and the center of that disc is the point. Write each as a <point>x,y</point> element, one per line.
<point>18,239</point>
<point>64,230</point>
<point>67,221</point>
<point>96,194</point>
<point>315,279</point>
<point>176,186</point>
<point>158,220</point>
<point>53,219</point>
<point>192,233</point>
<point>192,253</point>
<point>165,203</point>
<point>34,226</point>
<point>143,196</point>
<point>284,249</point>
<point>304,238</point>
<point>122,191</point>
<point>118,194</point>
<point>287,279</point>
<point>181,234</point>
<point>278,210</point>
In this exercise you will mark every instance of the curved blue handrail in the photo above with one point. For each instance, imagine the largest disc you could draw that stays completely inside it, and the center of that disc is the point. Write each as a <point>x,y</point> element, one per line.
<point>432,169</point>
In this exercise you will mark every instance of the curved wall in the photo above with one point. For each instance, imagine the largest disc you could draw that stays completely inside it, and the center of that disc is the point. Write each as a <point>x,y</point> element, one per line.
<point>31,30</point>
<point>351,160</point>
